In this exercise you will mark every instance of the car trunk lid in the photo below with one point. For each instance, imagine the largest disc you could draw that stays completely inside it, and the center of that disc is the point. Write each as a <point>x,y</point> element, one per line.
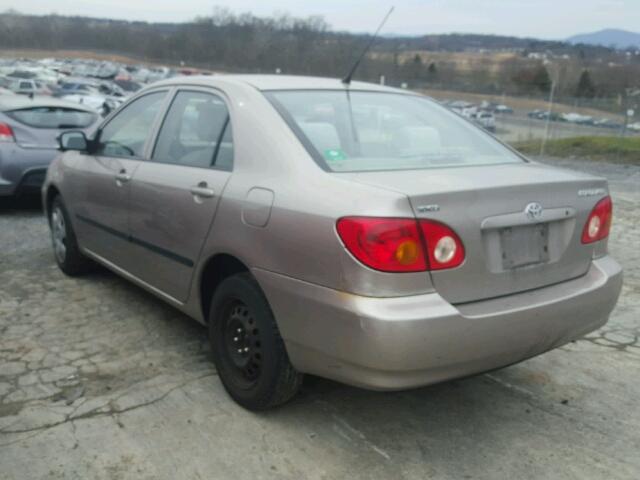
<point>510,246</point>
<point>28,137</point>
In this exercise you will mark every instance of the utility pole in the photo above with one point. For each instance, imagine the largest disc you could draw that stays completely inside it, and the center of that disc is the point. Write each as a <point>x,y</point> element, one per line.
<point>549,110</point>
<point>628,113</point>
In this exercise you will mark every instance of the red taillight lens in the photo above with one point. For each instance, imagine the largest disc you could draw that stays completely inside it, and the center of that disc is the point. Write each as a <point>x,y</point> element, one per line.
<point>6,134</point>
<point>386,244</point>
<point>398,244</point>
<point>599,221</point>
<point>444,247</point>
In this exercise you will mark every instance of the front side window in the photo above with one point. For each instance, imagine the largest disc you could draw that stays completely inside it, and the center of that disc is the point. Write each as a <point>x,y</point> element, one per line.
<point>53,117</point>
<point>354,131</point>
<point>126,134</point>
<point>194,132</point>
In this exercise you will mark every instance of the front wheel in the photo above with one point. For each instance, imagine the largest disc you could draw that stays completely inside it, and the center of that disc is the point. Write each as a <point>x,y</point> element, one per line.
<point>65,246</point>
<point>248,351</point>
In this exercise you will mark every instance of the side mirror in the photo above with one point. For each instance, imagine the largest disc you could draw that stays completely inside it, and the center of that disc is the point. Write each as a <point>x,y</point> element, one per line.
<point>74,140</point>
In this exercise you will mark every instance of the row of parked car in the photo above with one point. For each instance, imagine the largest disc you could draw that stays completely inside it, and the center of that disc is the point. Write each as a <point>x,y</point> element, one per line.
<point>102,86</point>
<point>483,114</point>
<point>40,99</point>
<point>579,119</point>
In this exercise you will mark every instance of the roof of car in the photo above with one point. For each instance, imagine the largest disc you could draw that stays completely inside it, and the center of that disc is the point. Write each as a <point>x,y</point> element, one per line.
<point>16,102</point>
<point>279,82</point>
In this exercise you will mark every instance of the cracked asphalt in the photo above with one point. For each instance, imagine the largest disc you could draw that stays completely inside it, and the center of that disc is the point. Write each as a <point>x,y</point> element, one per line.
<point>100,380</point>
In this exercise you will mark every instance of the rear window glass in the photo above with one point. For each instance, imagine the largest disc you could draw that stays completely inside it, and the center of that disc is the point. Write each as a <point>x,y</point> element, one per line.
<point>53,117</point>
<point>366,131</point>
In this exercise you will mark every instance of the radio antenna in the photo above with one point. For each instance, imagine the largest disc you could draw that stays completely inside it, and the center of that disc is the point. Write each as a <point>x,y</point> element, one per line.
<point>347,80</point>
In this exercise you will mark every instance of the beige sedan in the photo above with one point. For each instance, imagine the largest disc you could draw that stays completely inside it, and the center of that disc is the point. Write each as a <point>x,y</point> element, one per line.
<point>356,232</point>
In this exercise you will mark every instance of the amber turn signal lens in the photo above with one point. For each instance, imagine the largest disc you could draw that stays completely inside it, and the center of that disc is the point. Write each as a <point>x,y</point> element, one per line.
<point>407,252</point>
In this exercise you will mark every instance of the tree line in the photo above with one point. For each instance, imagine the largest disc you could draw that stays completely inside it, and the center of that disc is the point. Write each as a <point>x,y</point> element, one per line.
<point>226,41</point>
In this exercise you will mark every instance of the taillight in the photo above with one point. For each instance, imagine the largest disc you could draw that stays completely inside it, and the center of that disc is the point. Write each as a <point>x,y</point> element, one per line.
<point>398,244</point>
<point>386,244</point>
<point>444,247</point>
<point>6,133</point>
<point>599,221</point>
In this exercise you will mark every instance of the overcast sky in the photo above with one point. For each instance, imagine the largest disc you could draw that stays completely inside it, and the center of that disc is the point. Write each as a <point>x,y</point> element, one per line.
<point>537,18</point>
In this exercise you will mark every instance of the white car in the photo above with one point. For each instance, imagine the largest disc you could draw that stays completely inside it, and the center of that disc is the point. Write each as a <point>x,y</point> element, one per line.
<point>100,103</point>
<point>576,118</point>
<point>486,120</point>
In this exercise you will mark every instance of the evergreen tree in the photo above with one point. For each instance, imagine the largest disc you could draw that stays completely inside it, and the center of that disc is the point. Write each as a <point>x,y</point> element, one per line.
<point>541,79</point>
<point>586,87</point>
<point>416,67</point>
<point>532,80</point>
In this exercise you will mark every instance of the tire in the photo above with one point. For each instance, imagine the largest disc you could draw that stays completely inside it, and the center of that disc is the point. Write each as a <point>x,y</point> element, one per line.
<point>248,351</point>
<point>65,246</point>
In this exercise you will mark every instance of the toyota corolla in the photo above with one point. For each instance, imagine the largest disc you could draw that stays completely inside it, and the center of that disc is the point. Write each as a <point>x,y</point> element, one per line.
<point>351,231</point>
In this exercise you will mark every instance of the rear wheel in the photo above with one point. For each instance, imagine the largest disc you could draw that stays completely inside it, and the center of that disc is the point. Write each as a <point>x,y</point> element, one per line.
<point>65,246</point>
<point>248,351</point>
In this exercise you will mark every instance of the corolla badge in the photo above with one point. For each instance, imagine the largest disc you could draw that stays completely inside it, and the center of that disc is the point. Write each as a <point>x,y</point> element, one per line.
<point>533,211</point>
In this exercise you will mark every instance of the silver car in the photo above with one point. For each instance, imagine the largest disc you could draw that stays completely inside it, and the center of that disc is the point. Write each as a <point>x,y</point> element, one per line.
<point>359,233</point>
<point>29,128</point>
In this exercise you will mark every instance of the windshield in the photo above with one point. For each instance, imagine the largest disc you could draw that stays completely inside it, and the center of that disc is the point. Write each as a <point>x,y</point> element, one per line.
<point>363,131</point>
<point>53,117</point>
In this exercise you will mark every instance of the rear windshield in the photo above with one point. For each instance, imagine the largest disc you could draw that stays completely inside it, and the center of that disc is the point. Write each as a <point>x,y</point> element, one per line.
<point>53,117</point>
<point>366,131</point>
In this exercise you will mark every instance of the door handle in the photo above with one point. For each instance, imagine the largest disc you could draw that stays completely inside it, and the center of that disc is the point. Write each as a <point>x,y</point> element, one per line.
<point>202,190</point>
<point>123,176</point>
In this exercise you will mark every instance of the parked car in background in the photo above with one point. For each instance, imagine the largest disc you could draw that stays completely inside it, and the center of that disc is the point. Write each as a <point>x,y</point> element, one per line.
<point>74,88</point>
<point>5,82</point>
<point>486,120</point>
<point>360,233</point>
<point>607,123</point>
<point>577,118</point>
<point>103,104</point>
<point>127,86</point>
<point>29,128</point>
<point>24,86</point>
<point>503,109</point>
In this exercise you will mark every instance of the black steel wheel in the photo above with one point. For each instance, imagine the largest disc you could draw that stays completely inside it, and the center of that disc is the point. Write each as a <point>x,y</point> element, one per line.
<point>249,353</point>
<point>242,341</point>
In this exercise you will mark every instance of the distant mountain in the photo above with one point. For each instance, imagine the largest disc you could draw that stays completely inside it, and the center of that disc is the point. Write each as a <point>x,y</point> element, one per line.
<point>608,37</point>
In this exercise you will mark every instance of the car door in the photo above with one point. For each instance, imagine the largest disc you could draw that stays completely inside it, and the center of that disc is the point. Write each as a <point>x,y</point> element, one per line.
<point>100,179</point>
<point>174,196</point>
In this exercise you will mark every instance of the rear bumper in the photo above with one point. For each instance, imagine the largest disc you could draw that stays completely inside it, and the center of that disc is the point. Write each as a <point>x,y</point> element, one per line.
<point>23,169</point>
<point>30,182</point>
<point>404,342</point>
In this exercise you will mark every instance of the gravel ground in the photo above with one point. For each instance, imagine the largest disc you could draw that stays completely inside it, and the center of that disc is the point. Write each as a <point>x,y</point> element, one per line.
<point>99,380</point>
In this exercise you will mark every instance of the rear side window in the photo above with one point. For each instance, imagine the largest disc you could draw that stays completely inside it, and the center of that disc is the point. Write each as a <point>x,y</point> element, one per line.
<point>196,132</point>
<point>53,117</point>
<point>25,85</point>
